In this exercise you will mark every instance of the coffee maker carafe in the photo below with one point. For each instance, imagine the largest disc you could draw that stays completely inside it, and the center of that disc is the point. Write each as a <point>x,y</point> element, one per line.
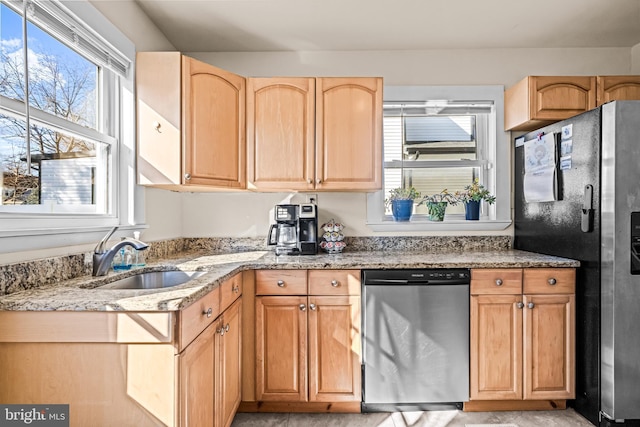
<point>295,231</point>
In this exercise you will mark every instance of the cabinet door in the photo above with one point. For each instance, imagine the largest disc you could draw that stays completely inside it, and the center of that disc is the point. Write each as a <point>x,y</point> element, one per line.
<point>536,101</point>
<point>549,347</point>
<point>558,98</point>
<point>280,133</point>
<point>230,362</point>
<point>334,349</point>
<point>214,125</point>
<point>618,88</point>
<point>281,348</point>
<point>197,380</point>
<point>349,133</point>
<point>496,347</point>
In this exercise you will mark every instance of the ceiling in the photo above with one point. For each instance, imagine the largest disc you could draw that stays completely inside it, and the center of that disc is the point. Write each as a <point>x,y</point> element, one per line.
<point>306,25</point>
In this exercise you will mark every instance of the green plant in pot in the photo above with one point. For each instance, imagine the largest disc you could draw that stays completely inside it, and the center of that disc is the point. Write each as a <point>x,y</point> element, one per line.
<point>472,196</point>
<point>401,200</point>
<point>437,204</point>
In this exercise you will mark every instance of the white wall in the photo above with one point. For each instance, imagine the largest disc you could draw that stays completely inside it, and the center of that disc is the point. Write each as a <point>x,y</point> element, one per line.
<point>134,23</point>
<point>635,59</point>
<point>163,209</point>
<point>171,214</point>
<point>248,214</point>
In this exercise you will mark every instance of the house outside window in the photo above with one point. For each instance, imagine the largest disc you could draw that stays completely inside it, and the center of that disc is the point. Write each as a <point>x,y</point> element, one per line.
<point>66,120</point>
<point>442,138</point>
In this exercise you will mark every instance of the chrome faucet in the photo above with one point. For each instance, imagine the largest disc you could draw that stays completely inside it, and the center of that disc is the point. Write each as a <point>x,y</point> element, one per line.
<point>102,258</point>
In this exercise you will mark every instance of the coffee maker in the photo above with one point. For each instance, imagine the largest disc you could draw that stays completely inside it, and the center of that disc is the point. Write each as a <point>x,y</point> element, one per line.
<point>296,229</point>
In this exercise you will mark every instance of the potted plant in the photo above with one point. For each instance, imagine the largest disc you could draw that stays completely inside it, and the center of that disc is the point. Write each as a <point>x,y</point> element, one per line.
<point>437,204</point>
<point>401,201</point>
<point>472,196</point>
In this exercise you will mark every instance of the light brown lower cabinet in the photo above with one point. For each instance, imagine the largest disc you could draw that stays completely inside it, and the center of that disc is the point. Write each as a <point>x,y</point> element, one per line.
<point>307,347</point>
<point>209,372</point>
<point>522,338</point>
<point>129,368</point>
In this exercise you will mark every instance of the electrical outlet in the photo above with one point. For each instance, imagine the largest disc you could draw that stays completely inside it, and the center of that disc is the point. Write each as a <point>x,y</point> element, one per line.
<point>312,198</point>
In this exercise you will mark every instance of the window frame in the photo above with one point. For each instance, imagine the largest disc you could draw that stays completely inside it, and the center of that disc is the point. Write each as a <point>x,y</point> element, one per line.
<point>497,156</point>
<point>116,123</point>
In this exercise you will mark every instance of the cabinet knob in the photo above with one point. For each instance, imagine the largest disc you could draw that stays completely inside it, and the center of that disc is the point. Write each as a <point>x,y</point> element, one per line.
<point>319,181</point>
<point>187,176</point>
<point>220,330</point>
<point>531,305</point>
<point>309,181</point>
<point>498,282</point>
<point>335,283</point>
<point>312,307</point>
<point>281,283</point>
<point>303,307</point>
<point>226,328</point>
<point>157,126</point>
<point>208,312</point>
<point>235,289</point>
<point>552,281</point>
<point>520,304</point>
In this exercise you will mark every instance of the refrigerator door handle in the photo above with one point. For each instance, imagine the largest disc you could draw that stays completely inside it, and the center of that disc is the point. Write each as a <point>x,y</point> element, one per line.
<point>587,211</point>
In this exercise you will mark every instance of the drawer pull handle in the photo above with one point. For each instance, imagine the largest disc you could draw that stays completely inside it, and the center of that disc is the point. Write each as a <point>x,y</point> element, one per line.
<point>531,305</point>
<point>281,283</point>
<point>312,307</point>
<point>303,307</point>
<point>208,312</point>
<point>335,283</point>
<point>235,289</point>
<point>552,281</point>
<point>498,282</point>
<point>520,304</point>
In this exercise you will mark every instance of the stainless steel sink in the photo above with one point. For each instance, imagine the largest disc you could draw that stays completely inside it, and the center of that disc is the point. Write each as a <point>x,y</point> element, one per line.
<point>154,280</point>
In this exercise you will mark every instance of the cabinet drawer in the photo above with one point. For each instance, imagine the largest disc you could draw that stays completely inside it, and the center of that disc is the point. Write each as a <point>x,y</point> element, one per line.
<point>230,290</point>
<point>195,318</point>
<point>549,281</point>
<point>496,281</point>
<point>334,282</point>
<point>281,282</point>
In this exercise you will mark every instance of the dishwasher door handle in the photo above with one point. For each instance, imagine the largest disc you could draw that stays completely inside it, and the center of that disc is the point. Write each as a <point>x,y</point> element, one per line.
<point>391,282</point>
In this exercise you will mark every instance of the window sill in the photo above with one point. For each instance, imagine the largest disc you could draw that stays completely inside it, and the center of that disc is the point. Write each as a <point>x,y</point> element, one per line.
<point>446,225</point>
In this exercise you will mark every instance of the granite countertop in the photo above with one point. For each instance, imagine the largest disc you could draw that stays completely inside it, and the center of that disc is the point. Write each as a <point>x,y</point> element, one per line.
<point>84,294</point>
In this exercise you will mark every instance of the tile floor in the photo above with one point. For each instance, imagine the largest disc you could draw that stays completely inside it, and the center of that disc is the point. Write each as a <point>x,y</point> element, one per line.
<point>452,418</point>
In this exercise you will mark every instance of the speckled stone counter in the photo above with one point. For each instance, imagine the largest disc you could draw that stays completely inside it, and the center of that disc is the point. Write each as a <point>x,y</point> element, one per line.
<point>84,293</point>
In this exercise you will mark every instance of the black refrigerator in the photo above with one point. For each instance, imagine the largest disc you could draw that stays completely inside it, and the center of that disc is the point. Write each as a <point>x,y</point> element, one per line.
<point>584,203</point>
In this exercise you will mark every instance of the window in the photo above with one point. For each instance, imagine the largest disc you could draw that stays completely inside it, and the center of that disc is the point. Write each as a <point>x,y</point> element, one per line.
<point>65,89</point>
<point>442,138</point>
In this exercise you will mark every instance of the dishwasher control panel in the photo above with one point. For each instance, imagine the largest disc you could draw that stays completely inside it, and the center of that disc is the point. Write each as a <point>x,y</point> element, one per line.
<point>417,276</point>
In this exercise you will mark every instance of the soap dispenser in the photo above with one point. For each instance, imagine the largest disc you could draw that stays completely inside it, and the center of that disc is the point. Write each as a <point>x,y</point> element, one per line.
<point>122,260</point>
<point>138,256</point>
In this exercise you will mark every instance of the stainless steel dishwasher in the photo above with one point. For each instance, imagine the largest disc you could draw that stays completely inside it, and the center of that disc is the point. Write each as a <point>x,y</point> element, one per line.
<point>415,339</point>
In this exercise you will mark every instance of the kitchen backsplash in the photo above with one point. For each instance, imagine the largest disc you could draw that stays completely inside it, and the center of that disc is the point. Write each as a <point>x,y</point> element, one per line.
<point>32,274</point>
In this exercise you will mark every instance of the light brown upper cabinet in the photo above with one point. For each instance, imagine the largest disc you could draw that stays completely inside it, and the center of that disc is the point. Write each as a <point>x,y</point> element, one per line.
<point>314,133</point>
<point>618,88</point>
<point>191,124</point>
<point>537,101</point>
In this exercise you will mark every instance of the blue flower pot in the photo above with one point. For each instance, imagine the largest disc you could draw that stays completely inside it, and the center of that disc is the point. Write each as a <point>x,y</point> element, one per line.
<point>472,210</point>
<point>402,209</point>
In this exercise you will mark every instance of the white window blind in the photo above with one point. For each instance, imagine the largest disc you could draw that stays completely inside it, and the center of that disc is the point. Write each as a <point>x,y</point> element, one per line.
<point>62,24</point>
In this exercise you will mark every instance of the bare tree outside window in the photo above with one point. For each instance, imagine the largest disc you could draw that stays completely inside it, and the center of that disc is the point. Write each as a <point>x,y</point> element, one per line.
<point>62,83</point>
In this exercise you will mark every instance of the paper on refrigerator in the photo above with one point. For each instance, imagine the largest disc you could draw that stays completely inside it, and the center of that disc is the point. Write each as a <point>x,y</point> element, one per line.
<point>540,179</point>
